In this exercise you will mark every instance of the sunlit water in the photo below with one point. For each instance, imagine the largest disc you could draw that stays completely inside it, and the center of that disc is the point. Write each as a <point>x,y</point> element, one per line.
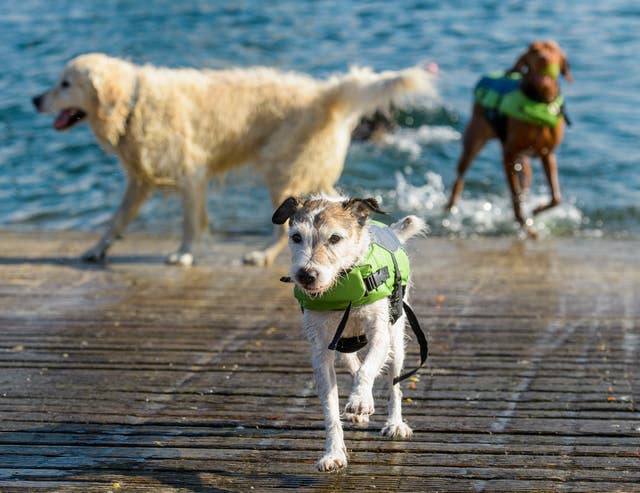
<point>63,181</point>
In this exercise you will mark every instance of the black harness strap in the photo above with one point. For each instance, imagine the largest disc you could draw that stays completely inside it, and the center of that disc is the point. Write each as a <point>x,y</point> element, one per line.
<point>343,323</point>
<point>395,300</point>
<point>396,307</point>
<point>355,343</point>
<point>563,110</point>
<point>352,344</point>
<point>422,340</point>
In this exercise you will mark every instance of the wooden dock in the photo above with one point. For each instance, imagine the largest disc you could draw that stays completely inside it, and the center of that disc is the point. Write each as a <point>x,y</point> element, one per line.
<point>141,377</point>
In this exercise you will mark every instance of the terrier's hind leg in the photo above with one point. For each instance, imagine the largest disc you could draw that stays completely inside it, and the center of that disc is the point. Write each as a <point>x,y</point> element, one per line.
<point>395,427</point>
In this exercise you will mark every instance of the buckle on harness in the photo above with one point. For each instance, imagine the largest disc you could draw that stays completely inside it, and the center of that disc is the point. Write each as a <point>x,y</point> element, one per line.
<point>376,279</point>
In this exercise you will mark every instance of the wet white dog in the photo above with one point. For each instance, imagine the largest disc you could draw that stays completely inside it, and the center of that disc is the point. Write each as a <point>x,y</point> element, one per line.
<point>173,129</point>
<point>327,238</point>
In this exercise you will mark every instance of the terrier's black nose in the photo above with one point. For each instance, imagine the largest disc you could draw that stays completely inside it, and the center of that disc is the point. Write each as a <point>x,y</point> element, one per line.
<point>306,277</point>
<point>37,101</point>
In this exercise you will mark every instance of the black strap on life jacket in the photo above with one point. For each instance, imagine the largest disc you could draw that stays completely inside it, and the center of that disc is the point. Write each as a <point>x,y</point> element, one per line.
<point>422,340</point>
<point>563,110</point>
<point>386,238</point>
<point>347,344</point>
<point>397,295</point>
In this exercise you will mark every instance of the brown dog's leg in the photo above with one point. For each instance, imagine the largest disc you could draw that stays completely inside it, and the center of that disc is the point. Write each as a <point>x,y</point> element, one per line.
<point>476,135</point>
<point>525,173</point>
<point>517,192</point>
<point>550,167</point>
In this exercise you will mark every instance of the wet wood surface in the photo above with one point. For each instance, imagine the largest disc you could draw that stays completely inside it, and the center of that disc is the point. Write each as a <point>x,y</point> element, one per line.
<point>140,377</point>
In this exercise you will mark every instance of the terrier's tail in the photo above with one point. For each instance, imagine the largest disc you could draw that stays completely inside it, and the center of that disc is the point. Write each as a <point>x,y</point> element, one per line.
<point>408,227</point>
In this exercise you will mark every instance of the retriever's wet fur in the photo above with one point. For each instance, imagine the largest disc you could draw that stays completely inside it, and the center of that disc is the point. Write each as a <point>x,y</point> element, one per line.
<point>175,128</point>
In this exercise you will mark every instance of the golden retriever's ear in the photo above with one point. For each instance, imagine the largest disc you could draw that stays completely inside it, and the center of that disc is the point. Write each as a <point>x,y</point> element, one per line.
<point>109,93</point>
<point>284,212</point>
<point>113,84</point>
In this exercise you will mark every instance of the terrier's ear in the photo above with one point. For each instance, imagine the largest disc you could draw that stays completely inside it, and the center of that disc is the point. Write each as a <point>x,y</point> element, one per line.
<point>287,209</point>
<point>362,208</point>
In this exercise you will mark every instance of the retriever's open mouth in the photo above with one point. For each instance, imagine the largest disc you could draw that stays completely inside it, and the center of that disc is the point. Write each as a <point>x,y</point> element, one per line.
<point>68,118</point>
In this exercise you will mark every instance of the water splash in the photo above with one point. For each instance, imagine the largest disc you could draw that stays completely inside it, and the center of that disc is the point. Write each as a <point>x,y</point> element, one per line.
<point>490,214</point>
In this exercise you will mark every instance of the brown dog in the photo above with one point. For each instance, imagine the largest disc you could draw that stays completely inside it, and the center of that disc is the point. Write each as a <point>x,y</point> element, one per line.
<point>536,76</point>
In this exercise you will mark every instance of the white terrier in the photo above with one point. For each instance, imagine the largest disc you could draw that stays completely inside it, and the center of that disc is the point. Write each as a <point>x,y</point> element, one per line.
<point>341,282</point>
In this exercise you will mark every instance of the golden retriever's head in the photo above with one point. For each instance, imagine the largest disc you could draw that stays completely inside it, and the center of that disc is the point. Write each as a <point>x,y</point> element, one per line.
<point>94,88</point>
<point>540,66</point>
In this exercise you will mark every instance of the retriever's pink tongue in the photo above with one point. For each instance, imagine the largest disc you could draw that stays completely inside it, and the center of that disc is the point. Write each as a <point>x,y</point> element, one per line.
<point>63,120</point>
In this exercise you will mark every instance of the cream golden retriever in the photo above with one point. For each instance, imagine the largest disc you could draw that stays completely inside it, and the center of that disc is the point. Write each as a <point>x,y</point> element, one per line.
<point>175,128</point>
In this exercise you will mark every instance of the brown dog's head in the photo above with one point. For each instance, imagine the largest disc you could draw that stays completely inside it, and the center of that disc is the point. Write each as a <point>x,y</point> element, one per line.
<point>540,67</point>
<point>94,88</point>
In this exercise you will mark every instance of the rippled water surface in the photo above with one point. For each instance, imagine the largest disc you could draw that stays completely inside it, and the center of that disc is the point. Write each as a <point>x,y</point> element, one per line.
<point>61,181</point>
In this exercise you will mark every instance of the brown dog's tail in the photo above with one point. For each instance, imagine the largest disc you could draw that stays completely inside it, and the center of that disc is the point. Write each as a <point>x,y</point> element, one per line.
<point>363,91</point>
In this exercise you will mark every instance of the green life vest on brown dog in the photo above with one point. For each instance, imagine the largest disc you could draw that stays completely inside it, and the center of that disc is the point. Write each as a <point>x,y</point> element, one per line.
<point>501,92</point>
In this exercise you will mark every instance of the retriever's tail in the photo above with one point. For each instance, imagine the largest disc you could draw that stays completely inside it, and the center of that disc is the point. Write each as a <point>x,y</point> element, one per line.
<point>362,91</point>
<point>408,227</point>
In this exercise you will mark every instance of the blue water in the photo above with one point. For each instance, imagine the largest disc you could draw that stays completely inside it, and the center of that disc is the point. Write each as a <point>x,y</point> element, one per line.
<point>64,181</point>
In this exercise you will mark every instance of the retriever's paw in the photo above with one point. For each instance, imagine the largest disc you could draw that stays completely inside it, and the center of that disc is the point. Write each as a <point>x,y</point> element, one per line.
<point>357,419</point>
<point>97,254</point>
<point>360,403</point>
<point>180,258</point>
<point>332,462</point>
<point>397,430</point>
<point>256,257</point>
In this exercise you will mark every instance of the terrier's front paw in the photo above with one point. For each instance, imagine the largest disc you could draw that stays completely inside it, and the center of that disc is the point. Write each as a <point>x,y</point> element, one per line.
<point>180,258</point>
<point>357,419</point>
<point>332,462</point>
<point>97,254</point>
<point>360,404</point>
<point>397,430</point>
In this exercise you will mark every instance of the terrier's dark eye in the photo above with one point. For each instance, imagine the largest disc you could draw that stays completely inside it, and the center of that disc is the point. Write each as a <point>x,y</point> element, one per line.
<point>296,238</point>
<point>65,83</point>
<point>333,239</point>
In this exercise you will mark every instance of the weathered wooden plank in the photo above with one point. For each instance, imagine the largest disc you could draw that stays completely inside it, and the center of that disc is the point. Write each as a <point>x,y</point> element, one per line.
<point>187,483</point>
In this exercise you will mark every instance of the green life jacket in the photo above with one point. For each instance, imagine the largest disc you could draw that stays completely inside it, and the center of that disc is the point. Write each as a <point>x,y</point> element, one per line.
<point>501,92</point>
<point>371,280</point>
